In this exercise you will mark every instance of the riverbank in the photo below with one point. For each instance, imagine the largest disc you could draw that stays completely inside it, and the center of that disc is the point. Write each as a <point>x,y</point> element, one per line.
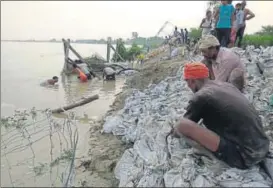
<point>97,169</point>
<point>155,78</point>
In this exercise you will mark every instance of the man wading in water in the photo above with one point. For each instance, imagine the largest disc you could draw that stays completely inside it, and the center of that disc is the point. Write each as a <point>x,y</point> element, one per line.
<point>51,82</point>
<point>234,131</point>
<point>109,73</point>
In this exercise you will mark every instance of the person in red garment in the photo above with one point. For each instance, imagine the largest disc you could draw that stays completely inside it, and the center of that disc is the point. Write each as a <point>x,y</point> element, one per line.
<point>234,131</point>
<point>81,76</point>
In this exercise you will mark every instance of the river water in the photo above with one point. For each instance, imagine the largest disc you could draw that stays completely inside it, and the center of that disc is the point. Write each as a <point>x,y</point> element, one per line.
<point>24,66</point>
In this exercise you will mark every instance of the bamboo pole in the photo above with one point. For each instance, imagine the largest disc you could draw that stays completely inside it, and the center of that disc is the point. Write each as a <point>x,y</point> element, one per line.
<point>108,49</point>
<point>80,103</point>
<point>66,54</point>
<point>80,57</point>
<point>117,53</point>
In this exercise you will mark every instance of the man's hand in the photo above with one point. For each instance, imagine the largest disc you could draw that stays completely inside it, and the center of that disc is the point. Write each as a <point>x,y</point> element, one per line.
<point>249,15</point>
<point>174,133</point>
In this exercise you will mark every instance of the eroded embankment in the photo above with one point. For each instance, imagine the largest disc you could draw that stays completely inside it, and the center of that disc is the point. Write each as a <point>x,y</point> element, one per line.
<point>106,150</point>
<point>96,169</point>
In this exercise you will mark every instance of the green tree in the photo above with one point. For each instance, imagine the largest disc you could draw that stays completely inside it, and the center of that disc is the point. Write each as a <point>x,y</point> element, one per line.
<point>213,4</point>
<point>133,52</point>
<point>264,37</point>
<point>195,33</point>
<point>121,49</point>
<point>266,30</point>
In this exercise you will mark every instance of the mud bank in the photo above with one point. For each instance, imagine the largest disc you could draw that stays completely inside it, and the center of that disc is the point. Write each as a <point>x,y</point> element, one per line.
<point>156,160</point>
<point>97,169</point>
<point>108,153</point>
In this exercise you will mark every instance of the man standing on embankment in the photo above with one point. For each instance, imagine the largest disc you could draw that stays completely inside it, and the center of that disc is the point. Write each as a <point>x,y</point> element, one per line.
<point>224,17</point>
<point>247,16</point>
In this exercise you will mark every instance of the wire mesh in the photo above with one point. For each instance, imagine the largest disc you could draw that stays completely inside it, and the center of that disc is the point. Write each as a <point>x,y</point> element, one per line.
<point>38,149</point>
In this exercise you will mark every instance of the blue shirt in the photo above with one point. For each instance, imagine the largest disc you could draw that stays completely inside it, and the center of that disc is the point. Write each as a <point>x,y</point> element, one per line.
<point>225,15</point>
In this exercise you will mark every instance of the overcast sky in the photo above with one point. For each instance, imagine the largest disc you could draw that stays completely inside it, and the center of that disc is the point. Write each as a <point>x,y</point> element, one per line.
<point>100,19</point>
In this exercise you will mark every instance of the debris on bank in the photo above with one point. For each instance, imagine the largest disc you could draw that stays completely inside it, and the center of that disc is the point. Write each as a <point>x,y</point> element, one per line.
<point>146,119</point>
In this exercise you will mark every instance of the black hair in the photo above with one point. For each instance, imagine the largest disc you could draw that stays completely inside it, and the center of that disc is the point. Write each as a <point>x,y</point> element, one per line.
<point>55,77</point>
<point>229,1</point>
<point>74,65</point>
<point>208,11</point>
<point>238,4</point>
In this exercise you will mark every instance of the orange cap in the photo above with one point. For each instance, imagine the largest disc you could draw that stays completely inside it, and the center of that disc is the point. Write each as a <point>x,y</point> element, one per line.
<point>195,70</point>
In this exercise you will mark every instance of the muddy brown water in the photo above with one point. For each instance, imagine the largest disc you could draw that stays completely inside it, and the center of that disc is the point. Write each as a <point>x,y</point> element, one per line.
<point>23,67</point>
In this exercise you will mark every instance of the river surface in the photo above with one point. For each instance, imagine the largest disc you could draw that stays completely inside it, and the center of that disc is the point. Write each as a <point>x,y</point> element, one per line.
<point>23,67</point>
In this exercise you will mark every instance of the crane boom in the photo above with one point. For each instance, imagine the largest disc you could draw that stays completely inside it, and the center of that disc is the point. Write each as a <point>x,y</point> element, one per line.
<point>163,26</point>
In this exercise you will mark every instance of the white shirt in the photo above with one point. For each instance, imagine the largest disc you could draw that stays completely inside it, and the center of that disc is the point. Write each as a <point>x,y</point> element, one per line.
<point>109,71</point>
<point>207,23</point>
<point>84,68</point>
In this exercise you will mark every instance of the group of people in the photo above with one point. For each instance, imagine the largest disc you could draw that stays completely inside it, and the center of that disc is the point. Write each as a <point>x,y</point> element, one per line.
<point>233,130</point>
<point>227,23</point>
<point>181,37</point>
<point>84,73</point>
<point>82,70</point>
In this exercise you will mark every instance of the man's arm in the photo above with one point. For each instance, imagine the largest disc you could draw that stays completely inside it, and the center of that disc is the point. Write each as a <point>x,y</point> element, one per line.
<point>203,20</point>
<point>216,15</point>
<point>226,66</point>
<point>233,16</point>
<point>194,109</point>
<point>249,15</point>
<point>193,113</point>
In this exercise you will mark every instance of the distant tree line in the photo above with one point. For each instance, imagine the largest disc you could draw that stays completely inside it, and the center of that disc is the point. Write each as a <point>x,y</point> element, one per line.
<point>151,41</point>
<point>264,37</point>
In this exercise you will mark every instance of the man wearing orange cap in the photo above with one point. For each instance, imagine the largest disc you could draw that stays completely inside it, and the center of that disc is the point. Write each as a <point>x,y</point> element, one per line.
<point>224,65</point>
<point>234,131</point>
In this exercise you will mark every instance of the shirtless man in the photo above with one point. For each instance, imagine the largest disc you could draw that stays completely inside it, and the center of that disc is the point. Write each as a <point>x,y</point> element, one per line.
<point>51,82</point>
<point>247,16</point>
<point>223,64</point>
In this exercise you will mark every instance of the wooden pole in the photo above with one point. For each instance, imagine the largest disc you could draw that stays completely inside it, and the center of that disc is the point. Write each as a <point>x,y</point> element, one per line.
<point>117,47</point>
<point>76,53</point>
<point>117,53</point>
<point>108,49</point>
<point>69,107</point>
<point>80,57</point>
<point>66,54</point>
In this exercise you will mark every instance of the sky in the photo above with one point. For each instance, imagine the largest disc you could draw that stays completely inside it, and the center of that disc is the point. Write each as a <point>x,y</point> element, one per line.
<point>42,20</point>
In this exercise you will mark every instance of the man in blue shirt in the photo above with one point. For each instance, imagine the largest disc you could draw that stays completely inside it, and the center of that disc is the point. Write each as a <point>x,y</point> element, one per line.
<point>224,17</point>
